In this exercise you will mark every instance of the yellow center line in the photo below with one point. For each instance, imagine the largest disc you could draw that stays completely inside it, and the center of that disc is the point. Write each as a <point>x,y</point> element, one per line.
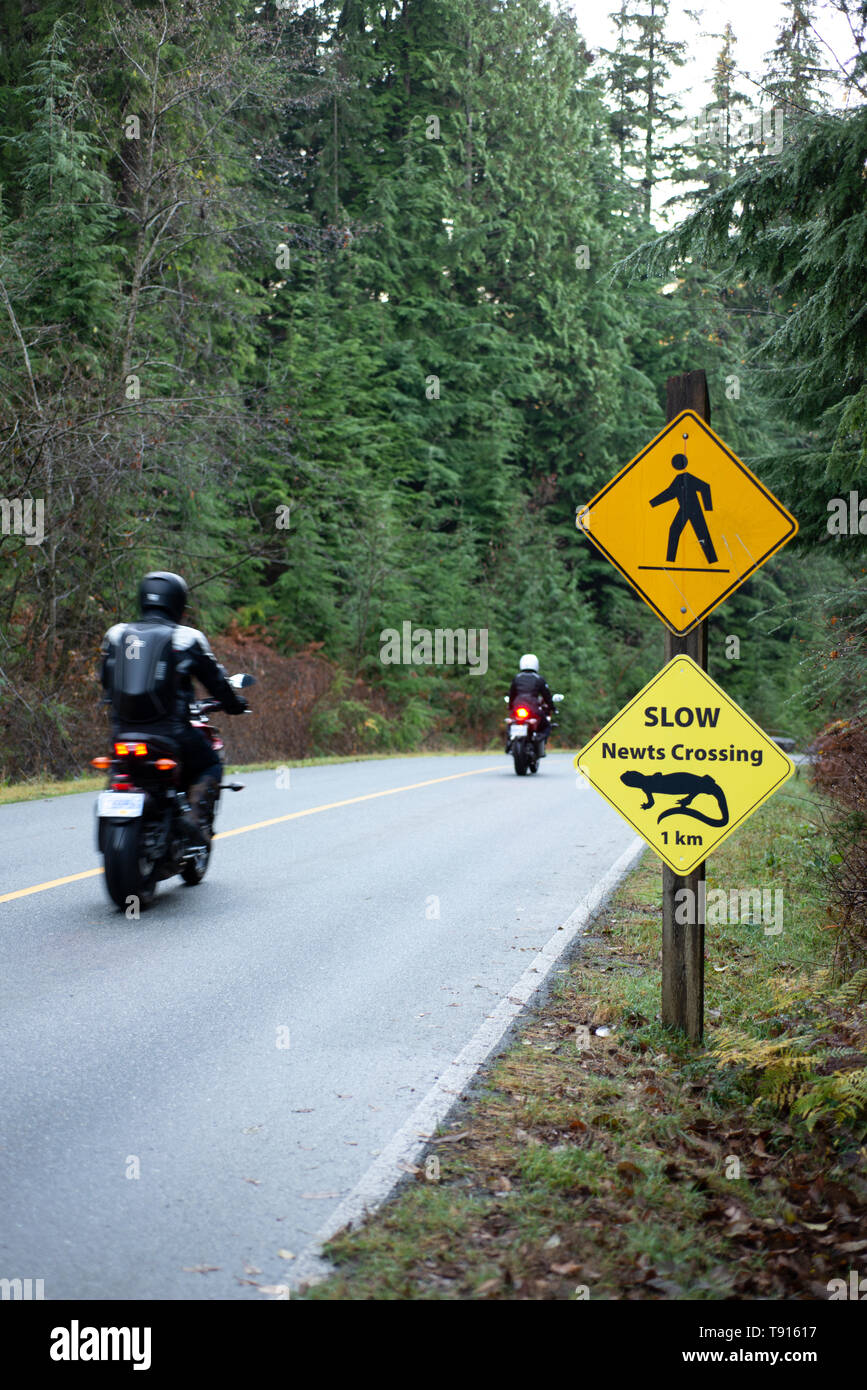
<point>53,883</point>
<point>259,825</point>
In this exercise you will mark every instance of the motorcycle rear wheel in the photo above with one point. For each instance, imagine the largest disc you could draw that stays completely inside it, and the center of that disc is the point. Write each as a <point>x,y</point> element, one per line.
<point>521,760</point>
<point>129,870</point>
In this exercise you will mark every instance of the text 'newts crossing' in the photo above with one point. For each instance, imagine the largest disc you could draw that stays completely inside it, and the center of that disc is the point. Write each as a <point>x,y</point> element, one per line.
<point>682,718</point>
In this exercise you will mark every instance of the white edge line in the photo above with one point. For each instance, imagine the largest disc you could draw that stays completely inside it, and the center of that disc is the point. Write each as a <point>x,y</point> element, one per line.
<point>407,1143</point>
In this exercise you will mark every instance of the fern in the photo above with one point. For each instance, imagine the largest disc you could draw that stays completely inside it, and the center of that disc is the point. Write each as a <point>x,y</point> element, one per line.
<point>851,992</point>
<point>786,1070</point>
<point>734,1048</point>
<point>842,1095</point>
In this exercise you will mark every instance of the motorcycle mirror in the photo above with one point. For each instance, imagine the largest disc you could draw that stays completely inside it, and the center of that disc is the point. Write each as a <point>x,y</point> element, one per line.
<point>557,698</point>
<point>240,681</point>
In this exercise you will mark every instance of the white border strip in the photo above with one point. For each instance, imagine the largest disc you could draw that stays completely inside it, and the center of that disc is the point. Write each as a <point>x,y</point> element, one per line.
<point>409,1141</point>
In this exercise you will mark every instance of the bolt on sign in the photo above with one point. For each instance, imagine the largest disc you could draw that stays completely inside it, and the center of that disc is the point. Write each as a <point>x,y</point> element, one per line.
<point>683,764</point>
<point>686,522</point>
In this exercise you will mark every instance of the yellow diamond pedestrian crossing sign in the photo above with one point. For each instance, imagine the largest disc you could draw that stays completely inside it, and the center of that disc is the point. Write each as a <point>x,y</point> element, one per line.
<point>686,522</point>
<point>683,764</point>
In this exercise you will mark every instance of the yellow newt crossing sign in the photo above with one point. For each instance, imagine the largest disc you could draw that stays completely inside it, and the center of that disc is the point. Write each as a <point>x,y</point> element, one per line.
<point>683,764</point>
<point>686,522</point>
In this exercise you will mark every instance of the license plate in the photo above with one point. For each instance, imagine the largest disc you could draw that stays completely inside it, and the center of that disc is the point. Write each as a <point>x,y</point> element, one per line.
<point>519,731</point>
<point>120,804</point>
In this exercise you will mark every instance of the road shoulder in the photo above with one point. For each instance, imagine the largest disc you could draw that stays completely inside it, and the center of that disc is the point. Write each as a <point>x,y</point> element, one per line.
<point>602,1157</point>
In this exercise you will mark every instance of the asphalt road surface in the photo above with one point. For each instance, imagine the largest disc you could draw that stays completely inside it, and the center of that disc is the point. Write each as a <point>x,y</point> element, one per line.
<point>198,1089</point>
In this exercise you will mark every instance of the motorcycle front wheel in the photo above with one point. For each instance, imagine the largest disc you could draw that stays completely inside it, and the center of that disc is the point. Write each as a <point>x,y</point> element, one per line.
<point>130,872</point>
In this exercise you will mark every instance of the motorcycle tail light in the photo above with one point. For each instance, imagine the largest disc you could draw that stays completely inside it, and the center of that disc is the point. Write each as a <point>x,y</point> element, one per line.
<point>522,713</point>
<point>140,750</point>
<point>123,786</point>
<point>102,763</point>
<point>165,764</point>
<point>121,749</point>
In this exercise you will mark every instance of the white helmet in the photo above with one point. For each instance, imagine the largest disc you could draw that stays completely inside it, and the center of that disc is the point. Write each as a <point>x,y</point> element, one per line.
<point>529,662</point>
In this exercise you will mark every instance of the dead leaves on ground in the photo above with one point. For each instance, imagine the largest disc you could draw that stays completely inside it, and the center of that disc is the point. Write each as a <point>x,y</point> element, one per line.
<point>773,1224</point>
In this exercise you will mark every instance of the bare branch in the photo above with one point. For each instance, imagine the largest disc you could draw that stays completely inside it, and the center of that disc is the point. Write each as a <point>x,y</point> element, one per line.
<point>18,334</point>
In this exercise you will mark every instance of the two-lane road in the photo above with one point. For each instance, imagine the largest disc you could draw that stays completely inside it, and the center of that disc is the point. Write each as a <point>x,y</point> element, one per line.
<point>153,1118</point>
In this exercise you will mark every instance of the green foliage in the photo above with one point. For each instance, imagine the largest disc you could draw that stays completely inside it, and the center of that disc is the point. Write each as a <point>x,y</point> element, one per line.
<point>797,224</point>
<point>840,1098</point>
<point>796,1072</point>
<point>645,116</point>
<point>795,68</point>
<point>319,308</point>
<point>58,254</point>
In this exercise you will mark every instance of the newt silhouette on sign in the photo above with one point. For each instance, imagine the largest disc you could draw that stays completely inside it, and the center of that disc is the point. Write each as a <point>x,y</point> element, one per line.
<point>686,785</point>
<point>686,492</point>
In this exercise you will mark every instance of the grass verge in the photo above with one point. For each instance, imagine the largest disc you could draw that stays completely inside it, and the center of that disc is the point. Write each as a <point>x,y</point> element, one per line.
<point>632,1164</point>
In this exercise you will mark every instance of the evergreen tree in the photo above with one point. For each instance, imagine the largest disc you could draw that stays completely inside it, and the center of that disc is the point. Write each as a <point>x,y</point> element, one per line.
<point>795,67</point>
<point>647,121</point>
<point>800,230</point>
<point>317,306</point>
<point>60,248</point>
<point>719,143</point>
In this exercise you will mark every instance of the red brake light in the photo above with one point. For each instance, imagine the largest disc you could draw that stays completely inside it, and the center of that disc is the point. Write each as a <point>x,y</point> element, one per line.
<point>140,750</point>
<point>121,749</point>
<point>522,713</point>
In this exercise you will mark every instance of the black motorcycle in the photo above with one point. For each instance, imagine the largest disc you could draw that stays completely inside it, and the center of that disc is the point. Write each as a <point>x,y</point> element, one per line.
<point>140,816</point>
<point>528,732</point>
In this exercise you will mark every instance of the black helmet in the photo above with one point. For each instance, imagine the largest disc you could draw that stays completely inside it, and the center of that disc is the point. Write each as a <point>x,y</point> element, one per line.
<point>162,592</point>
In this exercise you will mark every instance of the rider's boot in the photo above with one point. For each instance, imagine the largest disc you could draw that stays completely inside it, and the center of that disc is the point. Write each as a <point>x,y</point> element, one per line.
<point>195,821</point>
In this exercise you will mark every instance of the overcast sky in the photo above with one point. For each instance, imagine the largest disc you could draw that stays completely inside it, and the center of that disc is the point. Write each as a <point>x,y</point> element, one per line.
<point>755,23</point>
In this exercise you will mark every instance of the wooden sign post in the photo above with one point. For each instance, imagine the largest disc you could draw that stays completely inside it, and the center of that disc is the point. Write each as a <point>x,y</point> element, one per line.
<point>682,943</point>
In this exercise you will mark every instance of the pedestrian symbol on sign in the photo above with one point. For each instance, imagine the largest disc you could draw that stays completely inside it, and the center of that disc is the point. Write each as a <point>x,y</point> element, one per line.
<point>691,495</point>
<point>686,540</point>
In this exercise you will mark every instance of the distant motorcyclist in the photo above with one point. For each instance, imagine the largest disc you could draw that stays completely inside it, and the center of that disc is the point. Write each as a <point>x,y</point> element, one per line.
<point>147,673</point>
<point>529,685</point>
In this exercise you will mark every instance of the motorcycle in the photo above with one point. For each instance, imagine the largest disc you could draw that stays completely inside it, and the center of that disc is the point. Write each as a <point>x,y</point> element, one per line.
<point>527,734</point>
<point>140,816</point>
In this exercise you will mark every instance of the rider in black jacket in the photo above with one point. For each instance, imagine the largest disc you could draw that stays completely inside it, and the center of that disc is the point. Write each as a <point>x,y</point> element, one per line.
<point>147,673</point>
<point>529,685</point>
